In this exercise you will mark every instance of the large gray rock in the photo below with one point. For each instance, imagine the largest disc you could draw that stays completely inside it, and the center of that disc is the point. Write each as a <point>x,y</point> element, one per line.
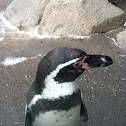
<point>80,17</point>
<point>121,39</point>
<point>65,17</point>
<point>119,3</point>
<point>4,4</point>
<point>25,14</point>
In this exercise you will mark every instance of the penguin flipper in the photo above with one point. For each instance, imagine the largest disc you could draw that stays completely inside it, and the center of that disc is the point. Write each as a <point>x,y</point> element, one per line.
<point>83,113</point>
<point>28,119</point>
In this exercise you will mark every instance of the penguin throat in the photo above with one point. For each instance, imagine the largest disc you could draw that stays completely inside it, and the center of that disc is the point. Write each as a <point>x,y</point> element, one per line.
<point>53,89</point>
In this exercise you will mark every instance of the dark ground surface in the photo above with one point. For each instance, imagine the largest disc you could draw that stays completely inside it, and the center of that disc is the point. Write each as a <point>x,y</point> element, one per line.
<point>104,89</point>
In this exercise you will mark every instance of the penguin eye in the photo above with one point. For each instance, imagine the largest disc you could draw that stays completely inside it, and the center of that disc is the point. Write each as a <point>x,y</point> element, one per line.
<point>76,65</point>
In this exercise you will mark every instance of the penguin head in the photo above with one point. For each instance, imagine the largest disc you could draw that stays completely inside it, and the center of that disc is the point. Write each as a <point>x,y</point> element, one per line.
<point>66,64</point>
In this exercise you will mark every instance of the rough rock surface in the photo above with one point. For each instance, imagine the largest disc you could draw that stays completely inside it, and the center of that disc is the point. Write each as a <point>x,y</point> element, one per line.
<point>65,17</point>
<point>25,14</point>
<point>80,17</point>
<point>4,4</point>
<point>119,3</point>
<point>121,39</point>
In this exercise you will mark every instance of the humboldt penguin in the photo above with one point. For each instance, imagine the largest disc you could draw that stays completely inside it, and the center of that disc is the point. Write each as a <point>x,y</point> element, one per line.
<point>54,99</point>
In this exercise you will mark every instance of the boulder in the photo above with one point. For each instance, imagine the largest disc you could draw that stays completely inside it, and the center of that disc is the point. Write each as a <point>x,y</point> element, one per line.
<point>121,39</point>
<point>80,17</point>
<point>65,17</point>
<point>4,4</point>
<point>119,3</point>
<point>25,14</point>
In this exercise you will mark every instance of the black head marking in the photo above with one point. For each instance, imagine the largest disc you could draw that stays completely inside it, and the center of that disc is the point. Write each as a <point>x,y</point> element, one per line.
<point>69,73</point>
<point>55,57</point>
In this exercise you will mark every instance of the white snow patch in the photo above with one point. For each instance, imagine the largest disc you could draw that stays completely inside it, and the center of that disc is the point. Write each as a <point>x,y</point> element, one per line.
<point>35,56</point>
<point>2,30</point>
<point>7,23</point>
<point>81,37</point>
<point>1,39</point>
<point>34,34</point>
<point>12,61</point>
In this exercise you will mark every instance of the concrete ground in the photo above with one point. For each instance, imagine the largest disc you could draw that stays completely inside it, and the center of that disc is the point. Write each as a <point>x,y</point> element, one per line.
<point>104,89</point>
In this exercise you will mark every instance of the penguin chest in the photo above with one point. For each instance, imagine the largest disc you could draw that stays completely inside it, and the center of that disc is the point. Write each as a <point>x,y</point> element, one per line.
<point>53,90</point>
<point>70,117</point>
<point>58,105</point>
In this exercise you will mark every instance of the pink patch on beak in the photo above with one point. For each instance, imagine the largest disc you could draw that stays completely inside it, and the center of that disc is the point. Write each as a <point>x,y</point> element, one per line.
<point>81,63</point>
<point>86,67</point>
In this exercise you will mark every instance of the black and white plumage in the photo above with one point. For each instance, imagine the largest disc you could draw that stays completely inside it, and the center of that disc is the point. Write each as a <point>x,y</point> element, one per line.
<point>54,99</point>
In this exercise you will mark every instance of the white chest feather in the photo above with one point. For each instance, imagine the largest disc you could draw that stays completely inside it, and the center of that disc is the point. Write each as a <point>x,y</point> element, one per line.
<point>56,118</point>
<point>54,90</point>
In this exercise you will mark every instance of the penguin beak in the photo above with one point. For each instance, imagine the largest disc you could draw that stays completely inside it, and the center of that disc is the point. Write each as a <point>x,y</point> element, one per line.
<point>94,61</point>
